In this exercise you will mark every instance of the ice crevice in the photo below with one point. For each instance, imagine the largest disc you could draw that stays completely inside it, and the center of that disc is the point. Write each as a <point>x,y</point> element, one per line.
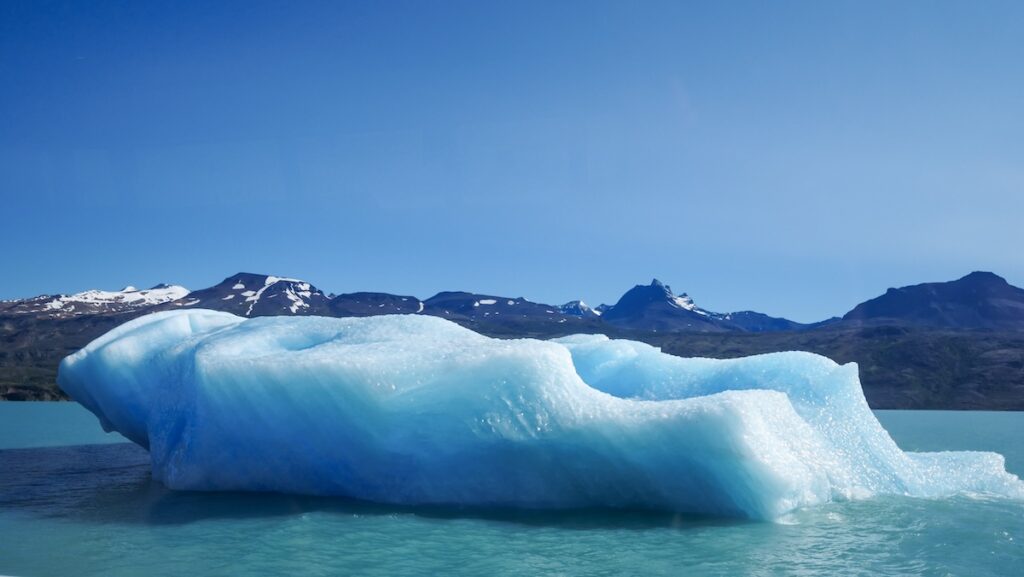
<point>411,409</point>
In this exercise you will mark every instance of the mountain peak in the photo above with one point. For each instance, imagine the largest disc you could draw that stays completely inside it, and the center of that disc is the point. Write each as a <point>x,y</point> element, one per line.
<point>96,301</point>
<point>266,279</point>
<point>250,294</point>
<point>579,309</point>
<point>983,277</point>
<point>657,284</point>
<point>657,306</point>
<point>979,300</point>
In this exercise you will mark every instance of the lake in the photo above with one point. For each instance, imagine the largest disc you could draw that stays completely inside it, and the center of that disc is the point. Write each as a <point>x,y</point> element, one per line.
<point>77,501</point>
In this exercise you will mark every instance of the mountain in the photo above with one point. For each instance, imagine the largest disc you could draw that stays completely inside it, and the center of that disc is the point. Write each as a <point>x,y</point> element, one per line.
<point>257,295</point>
<point>94,302</point>
<point>656,307</point>
<point>368,304</point>
<point>652,307</point>
<point>754,322</point>
<point>580,309</point>
<point>980,300</point>
<point>957,344</point>
<point>490,309</point>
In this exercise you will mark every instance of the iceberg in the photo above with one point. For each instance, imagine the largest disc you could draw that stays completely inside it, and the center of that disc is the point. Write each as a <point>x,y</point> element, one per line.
<point>416,410</point>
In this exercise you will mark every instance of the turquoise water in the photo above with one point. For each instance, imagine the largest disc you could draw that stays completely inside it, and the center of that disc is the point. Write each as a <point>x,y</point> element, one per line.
<point>70,506</point>
<point>31,425</point>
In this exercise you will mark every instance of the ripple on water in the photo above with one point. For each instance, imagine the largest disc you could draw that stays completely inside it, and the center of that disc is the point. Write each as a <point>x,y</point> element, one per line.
<point>93,510</point>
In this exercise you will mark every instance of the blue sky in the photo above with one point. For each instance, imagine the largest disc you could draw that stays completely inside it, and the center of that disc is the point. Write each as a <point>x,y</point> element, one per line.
<point>788,157</point>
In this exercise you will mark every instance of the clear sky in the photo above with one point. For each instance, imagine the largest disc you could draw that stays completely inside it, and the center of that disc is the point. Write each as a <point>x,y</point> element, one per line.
<point>789,157</point>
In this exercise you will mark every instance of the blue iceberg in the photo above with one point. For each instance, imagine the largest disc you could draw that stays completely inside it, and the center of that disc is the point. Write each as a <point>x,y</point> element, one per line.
<point>418,410</point>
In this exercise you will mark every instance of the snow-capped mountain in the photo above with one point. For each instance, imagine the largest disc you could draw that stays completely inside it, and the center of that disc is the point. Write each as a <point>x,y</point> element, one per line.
<point>255,295</point>
<point>644,307</point>
<point>93,302</point>
<point>656,307</point>
<point>971,326</point>
<point>581,309</point>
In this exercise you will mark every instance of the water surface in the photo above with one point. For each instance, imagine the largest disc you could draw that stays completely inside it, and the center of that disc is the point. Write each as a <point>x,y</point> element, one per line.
<point>70,506</point>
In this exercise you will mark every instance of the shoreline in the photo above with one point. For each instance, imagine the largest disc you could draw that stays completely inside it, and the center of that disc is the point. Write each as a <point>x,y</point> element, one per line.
<point>27,395</point>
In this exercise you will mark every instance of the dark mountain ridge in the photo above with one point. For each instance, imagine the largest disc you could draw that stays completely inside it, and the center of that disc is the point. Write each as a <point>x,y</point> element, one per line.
<point>255,295</point>
<point>368,304</point>
<point>655,307</point>
<point>980,300</point>
<point>958,344</point>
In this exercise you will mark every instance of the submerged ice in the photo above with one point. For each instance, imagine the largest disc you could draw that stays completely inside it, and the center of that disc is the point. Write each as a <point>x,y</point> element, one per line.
<point>418,410</point>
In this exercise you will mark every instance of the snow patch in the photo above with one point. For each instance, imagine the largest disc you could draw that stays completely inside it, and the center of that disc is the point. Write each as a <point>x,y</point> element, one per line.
<point>91,301</point>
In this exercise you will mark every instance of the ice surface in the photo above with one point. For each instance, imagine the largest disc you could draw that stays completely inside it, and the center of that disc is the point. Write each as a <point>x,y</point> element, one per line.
<point>417,410</point>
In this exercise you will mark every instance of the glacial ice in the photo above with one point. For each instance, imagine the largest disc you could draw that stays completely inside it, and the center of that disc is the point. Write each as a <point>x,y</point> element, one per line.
<point>418,410</point>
